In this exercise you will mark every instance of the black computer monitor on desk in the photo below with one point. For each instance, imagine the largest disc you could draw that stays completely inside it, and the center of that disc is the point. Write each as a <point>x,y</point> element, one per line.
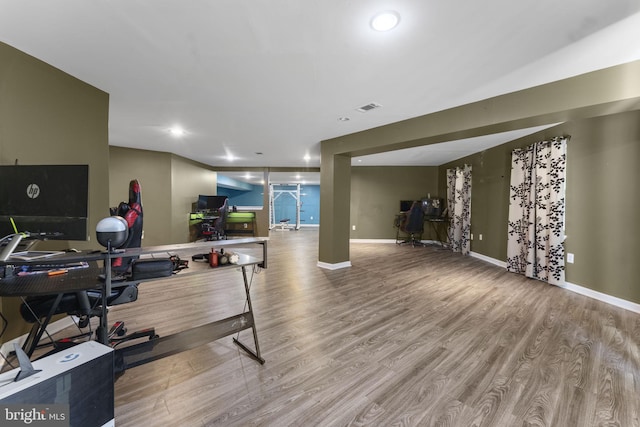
<point>48,201</point>
<point>405,205</point>
<point>210,203</point>
<point>432,207</point>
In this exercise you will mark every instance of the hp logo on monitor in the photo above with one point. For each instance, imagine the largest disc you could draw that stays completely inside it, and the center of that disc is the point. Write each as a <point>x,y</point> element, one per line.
<point>33,191</point>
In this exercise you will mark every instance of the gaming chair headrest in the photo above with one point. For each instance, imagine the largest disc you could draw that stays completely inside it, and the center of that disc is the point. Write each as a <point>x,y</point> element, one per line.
<point>134,192</point>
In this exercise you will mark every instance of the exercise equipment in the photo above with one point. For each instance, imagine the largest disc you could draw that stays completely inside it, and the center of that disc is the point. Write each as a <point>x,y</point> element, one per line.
<point>274,194</point>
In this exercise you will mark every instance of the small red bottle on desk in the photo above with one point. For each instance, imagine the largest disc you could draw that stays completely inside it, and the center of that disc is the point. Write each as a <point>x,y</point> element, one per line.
<point>213,258</point>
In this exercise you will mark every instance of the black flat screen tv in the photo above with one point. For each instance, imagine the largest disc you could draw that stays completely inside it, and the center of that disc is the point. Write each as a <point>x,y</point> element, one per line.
<point>210,203</point>
<point>48,201</point>
<point>405,205</point>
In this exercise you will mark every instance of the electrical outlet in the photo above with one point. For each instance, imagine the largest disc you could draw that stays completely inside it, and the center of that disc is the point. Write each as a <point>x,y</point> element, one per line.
<point>471,236</point>
<point>570,258</point>
<point>353,227</point>
<point>479,236</point>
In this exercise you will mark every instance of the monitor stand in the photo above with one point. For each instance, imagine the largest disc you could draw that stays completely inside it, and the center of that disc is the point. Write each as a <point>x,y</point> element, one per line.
<point>11,246</point>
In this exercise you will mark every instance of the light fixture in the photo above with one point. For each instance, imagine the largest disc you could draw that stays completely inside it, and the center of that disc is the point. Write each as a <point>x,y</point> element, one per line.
<point>343,119</point>
<point>307,157</point>
<point>177,131</point>
<point>112,232</point>
<point>385,21</point>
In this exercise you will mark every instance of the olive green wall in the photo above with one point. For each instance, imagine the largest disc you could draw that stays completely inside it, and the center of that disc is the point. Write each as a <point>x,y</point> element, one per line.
<point>598,93</point>
<point>152,169</point>
<point>170,185</point>
<point>602,201</point>
<point>189,179</point>
<point>49,117</point>
<point>376,192</point>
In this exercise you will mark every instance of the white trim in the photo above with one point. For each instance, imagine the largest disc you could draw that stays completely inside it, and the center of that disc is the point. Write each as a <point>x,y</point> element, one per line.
<point>337,266</point>
<point>489,259</point>
<point>609,299</point>
<point>426,242</point>
<point>372,241</point>
<point>52,329</point>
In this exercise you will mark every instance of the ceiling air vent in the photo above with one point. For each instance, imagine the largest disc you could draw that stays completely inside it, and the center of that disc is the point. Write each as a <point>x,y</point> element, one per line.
<point>368,107</point>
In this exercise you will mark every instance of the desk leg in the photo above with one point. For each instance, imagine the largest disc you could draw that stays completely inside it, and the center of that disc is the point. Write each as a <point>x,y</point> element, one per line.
<point>102,330</point>
<point>255,355</point>
<point>39,328</point>
<point>438,231</point>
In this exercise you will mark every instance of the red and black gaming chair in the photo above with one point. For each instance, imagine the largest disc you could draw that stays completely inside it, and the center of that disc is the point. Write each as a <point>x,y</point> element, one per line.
<point>132,213</point>
<point>87,304</point>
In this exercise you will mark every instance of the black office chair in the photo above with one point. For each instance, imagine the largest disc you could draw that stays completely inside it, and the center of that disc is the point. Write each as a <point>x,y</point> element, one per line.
<point>216,230</point>
<point>412,224</point>
<point>87,304</point>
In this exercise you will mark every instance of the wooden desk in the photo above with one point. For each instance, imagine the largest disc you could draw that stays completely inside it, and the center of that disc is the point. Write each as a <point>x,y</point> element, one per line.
<point>134,355</point>
<point>241,223</point>
<point>436,226</point>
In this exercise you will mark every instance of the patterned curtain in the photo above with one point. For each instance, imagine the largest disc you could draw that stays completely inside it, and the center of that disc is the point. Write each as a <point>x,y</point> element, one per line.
<point>536,211</point>
<point>459,206</point>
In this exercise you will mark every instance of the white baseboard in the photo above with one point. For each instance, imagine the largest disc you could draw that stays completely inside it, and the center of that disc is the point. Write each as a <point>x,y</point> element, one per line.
<point>426,242</point>
<point>337,266</point>
<point>489,259</point>
<point>615,301</point>
<point>609,299</point>
<point>372,241</point>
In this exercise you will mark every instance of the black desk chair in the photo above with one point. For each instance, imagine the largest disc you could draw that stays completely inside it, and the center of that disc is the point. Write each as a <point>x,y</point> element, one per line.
<point>412,224</point>
<point>88,304</point>
<point>82,304</point>
<point>216,230</point>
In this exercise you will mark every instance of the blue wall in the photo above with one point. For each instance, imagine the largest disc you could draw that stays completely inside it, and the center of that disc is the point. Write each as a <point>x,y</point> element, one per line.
<point>284,206</point>
<point>242,197</point>
<point>310,204</point>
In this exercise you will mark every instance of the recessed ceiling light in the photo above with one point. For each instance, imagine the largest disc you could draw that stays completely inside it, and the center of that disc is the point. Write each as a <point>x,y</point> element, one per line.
<point>385,21</point>
<point>307,157</point>
<point>343,119</point>
<point>177,131</point>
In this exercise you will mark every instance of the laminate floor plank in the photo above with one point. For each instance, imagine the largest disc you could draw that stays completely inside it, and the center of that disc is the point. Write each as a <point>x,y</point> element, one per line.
<point>405,337</point>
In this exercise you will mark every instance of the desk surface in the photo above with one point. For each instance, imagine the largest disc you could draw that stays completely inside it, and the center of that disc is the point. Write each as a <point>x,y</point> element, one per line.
<point>87,278</point>
<point>41,284</point>
<point>436,219</point>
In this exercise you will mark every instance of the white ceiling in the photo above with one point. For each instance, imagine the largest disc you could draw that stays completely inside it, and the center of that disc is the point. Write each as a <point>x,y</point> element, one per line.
<point>274,76</point>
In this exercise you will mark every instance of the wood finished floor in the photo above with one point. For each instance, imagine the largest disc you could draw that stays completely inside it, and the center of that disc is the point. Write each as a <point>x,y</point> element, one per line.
<point>406,336</point>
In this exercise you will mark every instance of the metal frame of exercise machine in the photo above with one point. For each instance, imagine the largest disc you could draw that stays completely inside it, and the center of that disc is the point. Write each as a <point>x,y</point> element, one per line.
<point>274,194</point>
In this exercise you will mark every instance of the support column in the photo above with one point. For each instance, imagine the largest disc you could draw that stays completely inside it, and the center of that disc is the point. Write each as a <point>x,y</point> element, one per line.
<point>335,200</point>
